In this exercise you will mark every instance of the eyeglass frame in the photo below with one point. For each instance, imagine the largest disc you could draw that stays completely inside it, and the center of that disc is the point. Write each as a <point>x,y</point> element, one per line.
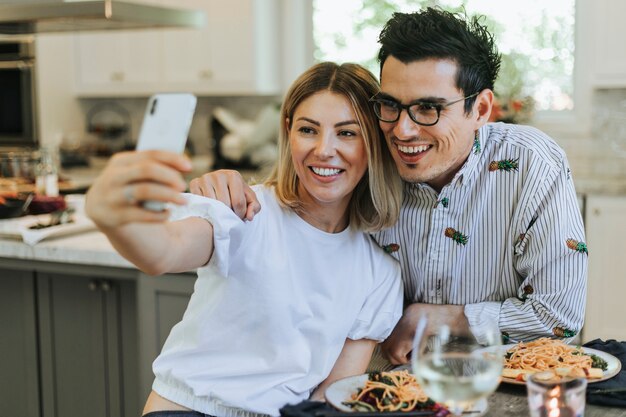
<point>438,106</point>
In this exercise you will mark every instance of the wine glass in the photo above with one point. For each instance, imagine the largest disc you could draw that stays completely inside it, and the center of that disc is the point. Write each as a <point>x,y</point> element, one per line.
<point>459,368</point>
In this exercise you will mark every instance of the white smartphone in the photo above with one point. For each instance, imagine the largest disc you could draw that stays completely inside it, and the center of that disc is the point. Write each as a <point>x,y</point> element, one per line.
<point>165,126</point>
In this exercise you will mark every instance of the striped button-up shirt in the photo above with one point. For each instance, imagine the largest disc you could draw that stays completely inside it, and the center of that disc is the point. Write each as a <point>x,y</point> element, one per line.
<point>505,238</point>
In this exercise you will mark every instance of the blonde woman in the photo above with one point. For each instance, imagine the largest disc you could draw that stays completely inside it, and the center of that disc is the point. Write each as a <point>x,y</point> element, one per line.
<point>286,304</point>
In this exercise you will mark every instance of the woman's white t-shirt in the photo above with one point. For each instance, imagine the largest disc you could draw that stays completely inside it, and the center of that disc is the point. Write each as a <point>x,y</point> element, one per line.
<point>271,310</point>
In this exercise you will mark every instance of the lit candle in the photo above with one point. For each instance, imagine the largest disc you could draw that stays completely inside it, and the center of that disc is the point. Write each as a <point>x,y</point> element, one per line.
<point>555,406</point>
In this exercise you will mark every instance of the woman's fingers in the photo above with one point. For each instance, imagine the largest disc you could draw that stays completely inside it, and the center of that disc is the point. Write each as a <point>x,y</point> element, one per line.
<point>176,161</point>
<point>134,193</point>
<point>202,186</point>
<point>229,187</point>
<point>132,177</point>
<point>146,170</point>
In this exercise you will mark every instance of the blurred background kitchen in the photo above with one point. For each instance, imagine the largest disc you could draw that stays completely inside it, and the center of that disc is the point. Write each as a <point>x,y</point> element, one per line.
<point>75,77</point>
<point>564,63</point>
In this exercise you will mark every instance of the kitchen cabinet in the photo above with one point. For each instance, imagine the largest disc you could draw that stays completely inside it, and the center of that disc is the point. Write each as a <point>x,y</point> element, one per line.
<point>19,383</point>
<point>605,226</point>
<point>235,53</point>
<point>110,62</point>
<point>161,303</point>
<point>80,339</point>
<point>609,49</point>
<point>88,346</point>
<point>69,341</point>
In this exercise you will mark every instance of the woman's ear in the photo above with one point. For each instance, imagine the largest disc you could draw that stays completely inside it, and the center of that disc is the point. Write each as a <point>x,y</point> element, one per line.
<point>483,106</point>
<point>287,124</point>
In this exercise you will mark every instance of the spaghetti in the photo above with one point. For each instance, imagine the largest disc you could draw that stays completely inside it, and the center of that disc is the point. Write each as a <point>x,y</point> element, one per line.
<point>547,354</point>
<point>391,391</point>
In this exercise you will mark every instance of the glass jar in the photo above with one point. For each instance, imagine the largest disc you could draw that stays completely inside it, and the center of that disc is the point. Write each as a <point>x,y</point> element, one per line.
<point>47,172</point>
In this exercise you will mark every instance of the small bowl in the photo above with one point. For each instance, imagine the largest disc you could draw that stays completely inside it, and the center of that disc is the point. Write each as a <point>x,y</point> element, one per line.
<point>11,207</point>
<point>42,204</point>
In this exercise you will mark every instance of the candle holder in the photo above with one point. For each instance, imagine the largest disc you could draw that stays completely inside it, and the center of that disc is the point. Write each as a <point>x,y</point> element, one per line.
<point>550,397</point>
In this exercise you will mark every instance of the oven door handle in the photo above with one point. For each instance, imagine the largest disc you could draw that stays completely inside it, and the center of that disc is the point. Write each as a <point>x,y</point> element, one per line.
<point>21,64</point>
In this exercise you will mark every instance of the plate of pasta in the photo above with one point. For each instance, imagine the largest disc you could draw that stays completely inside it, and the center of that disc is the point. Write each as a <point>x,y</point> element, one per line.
<point>392,391</point>
<point>379,392</point>
<point>556,360</point>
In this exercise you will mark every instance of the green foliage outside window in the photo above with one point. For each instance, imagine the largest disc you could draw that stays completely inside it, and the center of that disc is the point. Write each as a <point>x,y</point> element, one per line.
<point>536,72</point>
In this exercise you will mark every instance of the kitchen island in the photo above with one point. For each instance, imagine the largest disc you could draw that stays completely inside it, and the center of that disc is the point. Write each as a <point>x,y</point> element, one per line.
<point>81,327</point>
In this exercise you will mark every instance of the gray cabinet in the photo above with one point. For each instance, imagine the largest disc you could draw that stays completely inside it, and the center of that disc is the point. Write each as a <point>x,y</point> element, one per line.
<point>161,301</point>
<point>19,384</point>
<point>87,359</point>
<point>80,340</point>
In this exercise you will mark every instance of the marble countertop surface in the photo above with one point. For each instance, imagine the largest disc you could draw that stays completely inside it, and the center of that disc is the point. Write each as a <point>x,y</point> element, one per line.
<point>90,248</point>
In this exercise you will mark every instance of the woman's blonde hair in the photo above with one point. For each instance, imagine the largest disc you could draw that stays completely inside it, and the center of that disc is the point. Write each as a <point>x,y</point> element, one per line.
<point>375,203</point>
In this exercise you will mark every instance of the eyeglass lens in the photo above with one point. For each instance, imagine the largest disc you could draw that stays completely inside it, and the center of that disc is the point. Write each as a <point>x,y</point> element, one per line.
<point>423,113</point>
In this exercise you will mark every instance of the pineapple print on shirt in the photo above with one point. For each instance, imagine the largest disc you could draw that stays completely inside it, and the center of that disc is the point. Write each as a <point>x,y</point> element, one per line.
<point>562,332</point>
<point>573,244</point>
<point>507,165</point>
<point>455,235</point>
<point>391,248</point>
<point>528,290</point>
<point>444,202</point>
<point>476,145</point>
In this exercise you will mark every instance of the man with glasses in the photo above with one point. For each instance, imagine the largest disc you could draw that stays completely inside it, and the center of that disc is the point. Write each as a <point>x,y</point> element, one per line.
<point>490,227</point>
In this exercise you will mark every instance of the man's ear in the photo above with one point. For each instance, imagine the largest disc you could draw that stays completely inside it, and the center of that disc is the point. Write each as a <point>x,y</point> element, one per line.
<point>483,106</point>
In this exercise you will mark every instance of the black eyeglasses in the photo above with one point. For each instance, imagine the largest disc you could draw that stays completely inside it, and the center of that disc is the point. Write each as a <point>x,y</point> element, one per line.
<point>423,113</point>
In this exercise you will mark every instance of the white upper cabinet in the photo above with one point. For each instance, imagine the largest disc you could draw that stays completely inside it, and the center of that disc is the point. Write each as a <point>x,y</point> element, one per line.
<point>235,53</point>
<point>110,62</point>
<point>609,48</point>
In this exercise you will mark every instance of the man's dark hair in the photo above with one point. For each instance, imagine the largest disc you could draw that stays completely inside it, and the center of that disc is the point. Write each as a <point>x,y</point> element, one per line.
<point>435,33</point>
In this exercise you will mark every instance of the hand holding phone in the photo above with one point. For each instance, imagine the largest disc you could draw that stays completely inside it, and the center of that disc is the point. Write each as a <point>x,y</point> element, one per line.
<point>165,127</point>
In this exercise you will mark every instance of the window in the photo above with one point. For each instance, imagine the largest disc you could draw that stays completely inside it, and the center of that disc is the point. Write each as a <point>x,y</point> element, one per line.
<point>535,37</point>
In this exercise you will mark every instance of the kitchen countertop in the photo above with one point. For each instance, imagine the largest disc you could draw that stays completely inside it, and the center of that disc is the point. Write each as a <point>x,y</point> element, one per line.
<point>85,248</point>
<point>90,248</point>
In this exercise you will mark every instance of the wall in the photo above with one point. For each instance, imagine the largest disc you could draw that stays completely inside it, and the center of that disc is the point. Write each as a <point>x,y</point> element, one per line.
<point>59,111</point>
<point>598,159</point>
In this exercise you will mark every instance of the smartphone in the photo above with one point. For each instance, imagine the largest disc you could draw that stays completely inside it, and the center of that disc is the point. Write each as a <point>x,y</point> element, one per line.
<point>165,126</point>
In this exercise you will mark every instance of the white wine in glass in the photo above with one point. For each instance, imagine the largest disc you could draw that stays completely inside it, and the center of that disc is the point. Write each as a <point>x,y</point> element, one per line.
<point>458,369</point>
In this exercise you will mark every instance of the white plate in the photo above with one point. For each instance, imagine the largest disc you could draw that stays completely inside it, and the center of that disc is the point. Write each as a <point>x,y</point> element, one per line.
<point>613,366</point>
<point>343,389</point>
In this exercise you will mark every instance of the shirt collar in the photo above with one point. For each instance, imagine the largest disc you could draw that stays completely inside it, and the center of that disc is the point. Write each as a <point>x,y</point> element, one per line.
<point>470,167</point>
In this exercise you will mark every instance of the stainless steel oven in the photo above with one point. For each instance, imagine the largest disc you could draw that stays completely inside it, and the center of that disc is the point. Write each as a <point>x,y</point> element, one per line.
<point>18,109</point>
